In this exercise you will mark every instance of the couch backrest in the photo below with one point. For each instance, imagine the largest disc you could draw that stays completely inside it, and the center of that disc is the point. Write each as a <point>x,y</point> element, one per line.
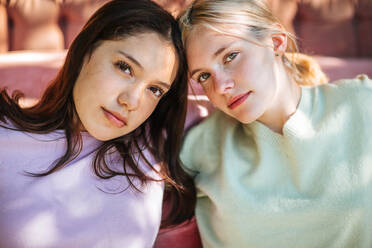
<point>324,27</point>
<point>329,27</point>
<point>50,24</point>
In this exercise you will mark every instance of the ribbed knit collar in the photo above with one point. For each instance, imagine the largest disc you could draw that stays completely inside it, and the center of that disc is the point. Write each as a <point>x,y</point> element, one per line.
<point>298,126</point>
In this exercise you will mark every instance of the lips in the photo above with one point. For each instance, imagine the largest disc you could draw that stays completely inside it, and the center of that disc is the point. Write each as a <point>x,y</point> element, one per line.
<point>237,100</point>
<point>115,118</point>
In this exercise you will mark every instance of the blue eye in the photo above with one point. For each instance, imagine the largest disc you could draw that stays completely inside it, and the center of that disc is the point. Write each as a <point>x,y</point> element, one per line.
<point>124,67</point>
<point>230,57</point>
<point>158,92</point>
<point>203,77</point>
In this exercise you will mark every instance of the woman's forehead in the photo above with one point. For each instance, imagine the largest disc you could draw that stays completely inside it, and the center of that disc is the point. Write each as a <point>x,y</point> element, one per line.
<point>207,41</point>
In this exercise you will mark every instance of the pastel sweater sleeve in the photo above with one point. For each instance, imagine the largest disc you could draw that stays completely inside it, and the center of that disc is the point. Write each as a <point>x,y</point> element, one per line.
<point>197,146</point>
<point>71,207</point>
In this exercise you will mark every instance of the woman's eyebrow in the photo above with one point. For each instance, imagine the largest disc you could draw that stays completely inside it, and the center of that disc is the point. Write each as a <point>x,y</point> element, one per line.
<point>215,54</point>
<point>220,50</point>
<point>194,71</point>
<point>223,48</point>
<point>165,85</point>
<point>130,58</point>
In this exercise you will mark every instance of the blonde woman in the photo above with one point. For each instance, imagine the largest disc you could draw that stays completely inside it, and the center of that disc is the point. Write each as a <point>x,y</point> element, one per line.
<point>279,164</point>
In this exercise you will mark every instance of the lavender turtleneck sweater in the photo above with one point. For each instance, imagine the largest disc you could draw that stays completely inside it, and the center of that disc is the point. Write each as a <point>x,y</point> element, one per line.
<point>69,208</point>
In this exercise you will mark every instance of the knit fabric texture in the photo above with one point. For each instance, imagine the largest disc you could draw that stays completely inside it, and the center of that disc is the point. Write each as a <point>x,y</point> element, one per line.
<point>71,207</point>
<point>308,187</point>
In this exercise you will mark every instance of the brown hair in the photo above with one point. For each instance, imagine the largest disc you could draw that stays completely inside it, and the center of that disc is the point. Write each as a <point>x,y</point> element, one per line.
<point>161,133</point>
<point>254,16</point>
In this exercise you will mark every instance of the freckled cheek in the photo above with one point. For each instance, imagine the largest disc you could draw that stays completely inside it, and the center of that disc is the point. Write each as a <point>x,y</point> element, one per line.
<point>217,100</point>
<point>212,95</point>
<point>208,88</point>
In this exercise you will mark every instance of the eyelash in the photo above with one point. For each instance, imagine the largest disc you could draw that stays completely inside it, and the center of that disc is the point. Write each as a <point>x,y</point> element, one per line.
<point>201,75</point>
<point>230,56</point>
<point>155,89</point>
<point>121,65</point>
<point>227,59</point>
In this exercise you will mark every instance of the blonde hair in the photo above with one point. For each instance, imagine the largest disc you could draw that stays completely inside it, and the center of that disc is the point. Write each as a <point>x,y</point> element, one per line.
<point>251,20</point>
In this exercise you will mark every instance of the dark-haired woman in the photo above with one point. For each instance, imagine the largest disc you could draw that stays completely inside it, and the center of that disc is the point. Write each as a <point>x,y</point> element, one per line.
<point>86,165</point>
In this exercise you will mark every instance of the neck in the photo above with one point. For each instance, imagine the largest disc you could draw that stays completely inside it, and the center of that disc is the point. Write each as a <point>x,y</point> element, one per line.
<point>285,103</point>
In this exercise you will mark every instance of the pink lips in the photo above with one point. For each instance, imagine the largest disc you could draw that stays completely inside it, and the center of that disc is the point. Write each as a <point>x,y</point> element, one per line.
<point>237,100</point>
<point>115,118</point>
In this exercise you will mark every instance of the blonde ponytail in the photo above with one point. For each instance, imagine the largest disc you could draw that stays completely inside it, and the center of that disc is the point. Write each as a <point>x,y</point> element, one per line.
<point>304,69</point>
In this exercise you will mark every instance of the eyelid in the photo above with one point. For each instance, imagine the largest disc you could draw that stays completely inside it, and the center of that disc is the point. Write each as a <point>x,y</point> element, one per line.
<point>161,89</point>
<point>122,62</point>
<point>199,75</point>
<point>228,55</point>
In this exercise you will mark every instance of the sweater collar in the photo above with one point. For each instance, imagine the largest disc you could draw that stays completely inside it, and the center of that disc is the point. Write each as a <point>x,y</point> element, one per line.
<point>299,125</point>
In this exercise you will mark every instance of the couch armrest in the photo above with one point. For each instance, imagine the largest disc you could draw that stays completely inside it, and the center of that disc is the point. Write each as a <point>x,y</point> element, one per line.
<point>29,71</point>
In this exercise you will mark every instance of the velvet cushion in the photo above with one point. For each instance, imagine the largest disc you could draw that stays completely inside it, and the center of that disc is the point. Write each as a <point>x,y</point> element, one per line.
<point>35,25</point>
<point>326,27</point>
<point>3,27</point>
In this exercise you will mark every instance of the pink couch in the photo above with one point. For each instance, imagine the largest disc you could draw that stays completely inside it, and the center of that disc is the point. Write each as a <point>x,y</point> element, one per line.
<point>35,33</point>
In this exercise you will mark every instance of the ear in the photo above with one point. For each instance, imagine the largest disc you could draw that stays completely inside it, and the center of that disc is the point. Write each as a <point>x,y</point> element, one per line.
<point>279,40</point>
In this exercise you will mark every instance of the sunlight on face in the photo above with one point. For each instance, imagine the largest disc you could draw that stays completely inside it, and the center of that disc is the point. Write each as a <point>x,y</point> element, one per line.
<point>121,83</point>
<point>236,75</point>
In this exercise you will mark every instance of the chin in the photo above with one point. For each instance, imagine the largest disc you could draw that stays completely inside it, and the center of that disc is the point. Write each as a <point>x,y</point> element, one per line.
<point>101,135</point>
<point>243,118</point>
<point>246,121</point>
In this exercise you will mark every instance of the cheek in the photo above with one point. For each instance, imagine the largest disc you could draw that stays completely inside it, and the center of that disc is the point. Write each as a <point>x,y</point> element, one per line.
<point>86,93</point>
<point>213,97</point>
<point>207,89</point>
<point>216,99</point>
<point>147,108</point>
<point>250,71</point>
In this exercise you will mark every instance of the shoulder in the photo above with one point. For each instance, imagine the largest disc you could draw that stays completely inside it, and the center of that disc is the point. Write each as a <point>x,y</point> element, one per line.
<point>345,91</point>
<point>213,124</point>
<point>9,129</point>
<point>207,130</point>
<point>202,140</point>
<point>360,80</point>
<point>359,84</point>
<point>342,101</point>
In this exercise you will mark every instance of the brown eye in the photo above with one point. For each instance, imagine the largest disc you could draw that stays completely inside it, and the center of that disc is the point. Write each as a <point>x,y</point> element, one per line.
<point>158,92</point>
<point>124,67</point>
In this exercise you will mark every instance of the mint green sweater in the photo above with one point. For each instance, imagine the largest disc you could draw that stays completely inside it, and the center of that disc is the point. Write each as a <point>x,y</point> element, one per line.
<point>310,187</point>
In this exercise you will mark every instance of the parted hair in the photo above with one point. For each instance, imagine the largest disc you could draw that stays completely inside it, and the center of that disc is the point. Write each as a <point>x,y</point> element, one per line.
<point>251,20</point>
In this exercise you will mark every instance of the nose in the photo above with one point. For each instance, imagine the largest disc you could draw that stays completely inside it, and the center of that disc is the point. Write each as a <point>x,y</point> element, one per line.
<point>223,82</point>
<point>131,96</point>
